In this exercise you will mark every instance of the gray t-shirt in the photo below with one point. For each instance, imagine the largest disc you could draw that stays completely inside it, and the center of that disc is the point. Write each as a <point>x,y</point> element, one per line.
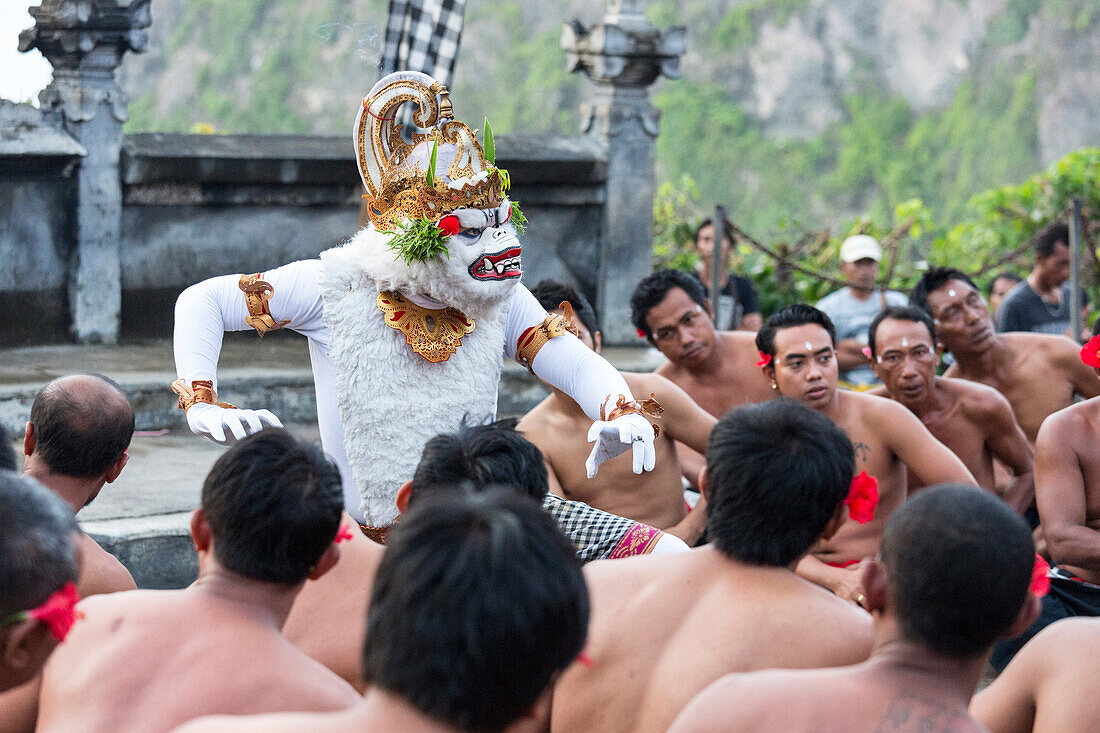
<point>1023,310</point>
<point>851,317</point>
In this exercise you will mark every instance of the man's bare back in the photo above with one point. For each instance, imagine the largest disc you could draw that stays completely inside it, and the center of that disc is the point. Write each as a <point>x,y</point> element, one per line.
<point>665,627</point>
<point>329,615</point>
<point>151,660</point>
<point>1050,685</point>
<point>1067,470</point>
<point>559,428</point>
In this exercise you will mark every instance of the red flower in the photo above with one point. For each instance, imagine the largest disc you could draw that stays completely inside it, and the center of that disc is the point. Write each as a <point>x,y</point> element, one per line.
<point>59,611</point>
<point>866,351</point>
<point>585,661</point>
<point>641,333</point>
<point>862,498</point>
<point>765,359</point>
<point>1090,352</point>
<point>449,225</point>
<point>1040,580</point>
<point>343,535</point>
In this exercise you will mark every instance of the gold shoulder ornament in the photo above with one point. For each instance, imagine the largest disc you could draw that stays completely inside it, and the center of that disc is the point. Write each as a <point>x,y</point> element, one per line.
<point>434,334</point>
<point>534,338</point>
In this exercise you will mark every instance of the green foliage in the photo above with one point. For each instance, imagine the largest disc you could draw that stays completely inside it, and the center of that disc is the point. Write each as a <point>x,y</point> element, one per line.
<point>416,240</point>
<point>519,220</point>
<point>490,147</point>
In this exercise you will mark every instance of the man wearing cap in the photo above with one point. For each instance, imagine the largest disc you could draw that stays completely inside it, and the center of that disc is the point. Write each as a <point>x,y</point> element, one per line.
<point>852,308</point>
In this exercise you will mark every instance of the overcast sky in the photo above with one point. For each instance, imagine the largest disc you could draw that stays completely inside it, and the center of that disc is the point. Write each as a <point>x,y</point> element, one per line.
<point>22,75</point>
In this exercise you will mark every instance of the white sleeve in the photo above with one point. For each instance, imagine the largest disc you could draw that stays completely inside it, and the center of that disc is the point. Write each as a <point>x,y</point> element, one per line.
<point>564,361</point>
<point>668,544</point>
<point>209,308</point>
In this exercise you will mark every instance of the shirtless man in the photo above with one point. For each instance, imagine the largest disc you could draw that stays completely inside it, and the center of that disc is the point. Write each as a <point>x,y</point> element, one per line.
<point>150,660</point>
<point>465,554</point>
<point>1050,686</point>
<point>1039,374</point>
<point>38,558</point>
<point>935,621</point>
<point>974,421</point>
<point>557,427</point>
<point>75,444</point>
<point>663,628</point>
<point>716,368</point>
<point>799,343</point>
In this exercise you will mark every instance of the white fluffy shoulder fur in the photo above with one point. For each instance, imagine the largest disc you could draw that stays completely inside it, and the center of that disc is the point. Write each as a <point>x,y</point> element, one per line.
<point>392,401</point>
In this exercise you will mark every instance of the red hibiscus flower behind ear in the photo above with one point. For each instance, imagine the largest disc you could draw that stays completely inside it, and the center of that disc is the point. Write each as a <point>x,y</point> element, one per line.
<point>343,535</point>
<point>1040,578</point>
<point>862,498</point>
<point>449,225</point>
<point>641,333</point>
<point>765,359</point>
<point>59,611</point>
<point>1090,352</point>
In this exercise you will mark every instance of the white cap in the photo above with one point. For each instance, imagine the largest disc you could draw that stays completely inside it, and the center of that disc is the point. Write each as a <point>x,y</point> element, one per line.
<point>858,247</point>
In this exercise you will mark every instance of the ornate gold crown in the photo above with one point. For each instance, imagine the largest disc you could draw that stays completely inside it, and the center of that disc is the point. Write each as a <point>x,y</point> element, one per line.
<point>400,177</point>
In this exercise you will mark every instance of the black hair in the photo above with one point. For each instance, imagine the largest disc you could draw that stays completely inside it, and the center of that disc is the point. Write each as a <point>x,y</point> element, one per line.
<point>479,457</point>
<point>932,281</point>
<point>78,432</point>
<point>728,229</point>
<point>900,313</point>
<point>789,316</point>
<point>776,473</point>
<point>273,504</point>
<point>36,543</point>
<point>959,564</point>
<point>7,453</point>
<point>1051,237</point>
<point>550,294</point>
<point>654,288</point>
<point>477,604</point>
<point>1006,275</point>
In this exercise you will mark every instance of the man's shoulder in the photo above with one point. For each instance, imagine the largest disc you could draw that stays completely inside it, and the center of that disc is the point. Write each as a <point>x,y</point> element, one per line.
<point>100,571</point>
<point>977,400</point>
<point>893,297</point>
<point>1053,347</point>
<point>1077,420</point>
<point>838,297</point>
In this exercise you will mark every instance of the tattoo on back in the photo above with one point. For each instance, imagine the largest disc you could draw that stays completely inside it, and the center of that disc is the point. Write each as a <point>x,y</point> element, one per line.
<point>911,712</point>
<point>862,449</point>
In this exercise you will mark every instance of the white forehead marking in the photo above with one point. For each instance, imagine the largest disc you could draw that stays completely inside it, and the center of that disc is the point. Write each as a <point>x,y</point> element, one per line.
<point>951,293</point>
<point>904,342</point>
<point>808,346</point>
<point>879,359</point>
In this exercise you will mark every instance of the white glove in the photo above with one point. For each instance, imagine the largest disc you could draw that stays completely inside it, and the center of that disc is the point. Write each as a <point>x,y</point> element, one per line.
<point>616,436</point>
<point>212,421</point>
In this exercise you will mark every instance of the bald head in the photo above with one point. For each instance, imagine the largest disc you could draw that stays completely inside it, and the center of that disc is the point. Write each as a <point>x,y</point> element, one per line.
<point>82,425</point>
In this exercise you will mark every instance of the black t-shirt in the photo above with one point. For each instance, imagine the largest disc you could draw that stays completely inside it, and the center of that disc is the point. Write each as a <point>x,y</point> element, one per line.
<point>737,300</point>
<point>1023,310</point>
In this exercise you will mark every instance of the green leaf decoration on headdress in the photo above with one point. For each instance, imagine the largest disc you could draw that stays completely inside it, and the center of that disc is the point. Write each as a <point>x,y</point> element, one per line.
<point>431,163</point>
<point>490,146</point>
<point>417,240</point>
<point>519,221</point>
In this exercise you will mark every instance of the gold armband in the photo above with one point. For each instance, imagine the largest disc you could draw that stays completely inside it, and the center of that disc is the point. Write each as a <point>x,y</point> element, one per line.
<point>201,390</point>
<point>257,292</point>
<point>534,338</point>
<point>649,407</point>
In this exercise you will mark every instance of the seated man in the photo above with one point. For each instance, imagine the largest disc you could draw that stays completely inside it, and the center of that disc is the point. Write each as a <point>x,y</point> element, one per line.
<point>38,568</point>
<point>663,628</point>
<point>716,368</point>
<point>974,421</point>
<point>1050,686</point>
<point>557,426</point>
<point>150,660</point>
<point>1039,374</point>
<point>798,344</point>
<point>325,620</point>
<point>474,667</point>
<point>953,576</point>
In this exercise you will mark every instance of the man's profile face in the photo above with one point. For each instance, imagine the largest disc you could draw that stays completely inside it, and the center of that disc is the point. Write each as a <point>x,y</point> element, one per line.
<point>905,359</point>
<point>704,243</point>
<point>681,329</point>
<point>997,293</point>
<point>962,318</point>
<point>805,365</point>
<point>1053,270</point>
<point>592,341</point>
<point>861,273</point>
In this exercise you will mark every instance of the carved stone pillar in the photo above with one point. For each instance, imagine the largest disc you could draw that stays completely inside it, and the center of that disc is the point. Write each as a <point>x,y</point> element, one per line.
<point>623,56</point>
<point>85,41</point>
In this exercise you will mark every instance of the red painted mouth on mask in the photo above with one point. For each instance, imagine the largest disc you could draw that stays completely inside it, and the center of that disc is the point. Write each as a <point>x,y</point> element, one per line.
<point>501,265</point>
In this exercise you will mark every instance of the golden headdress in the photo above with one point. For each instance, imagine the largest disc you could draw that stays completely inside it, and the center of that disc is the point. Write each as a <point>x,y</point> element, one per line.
<point>442,169</point>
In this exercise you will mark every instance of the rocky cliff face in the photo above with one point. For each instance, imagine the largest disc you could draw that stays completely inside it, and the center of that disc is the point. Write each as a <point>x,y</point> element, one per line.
<point>788,108</point>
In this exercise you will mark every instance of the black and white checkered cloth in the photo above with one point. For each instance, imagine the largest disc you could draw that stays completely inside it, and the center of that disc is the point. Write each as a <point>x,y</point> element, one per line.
<point>423,35</point>
<point>593,532</point>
